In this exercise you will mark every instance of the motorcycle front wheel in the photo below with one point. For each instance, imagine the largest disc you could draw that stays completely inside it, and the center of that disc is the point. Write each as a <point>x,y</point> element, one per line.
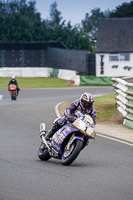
<point>70,155</point>
<point>43,154</point>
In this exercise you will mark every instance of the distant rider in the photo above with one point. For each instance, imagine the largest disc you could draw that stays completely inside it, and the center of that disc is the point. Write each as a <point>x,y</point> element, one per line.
<point>84,104</point>
<point>14,81</point>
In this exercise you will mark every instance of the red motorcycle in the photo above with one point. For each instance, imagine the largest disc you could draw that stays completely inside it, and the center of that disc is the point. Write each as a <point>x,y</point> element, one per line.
<point>13,91</point>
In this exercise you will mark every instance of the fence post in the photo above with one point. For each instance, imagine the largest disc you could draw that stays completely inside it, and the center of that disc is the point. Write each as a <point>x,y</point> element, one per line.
<point>124,97</point>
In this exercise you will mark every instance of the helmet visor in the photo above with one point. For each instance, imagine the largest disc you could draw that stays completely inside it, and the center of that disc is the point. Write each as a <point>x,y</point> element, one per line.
<point>87,105</point>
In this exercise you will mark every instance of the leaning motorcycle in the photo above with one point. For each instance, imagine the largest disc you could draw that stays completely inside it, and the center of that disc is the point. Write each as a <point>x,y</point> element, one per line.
<point>13,91</point>
<point>69,140</point>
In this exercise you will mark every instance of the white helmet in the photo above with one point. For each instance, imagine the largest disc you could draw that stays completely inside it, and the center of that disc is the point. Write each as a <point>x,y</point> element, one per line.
<point>13,77</point>
<point>86,101</point>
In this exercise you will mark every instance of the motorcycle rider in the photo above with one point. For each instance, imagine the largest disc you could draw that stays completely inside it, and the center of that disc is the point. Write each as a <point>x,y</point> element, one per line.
<point>14,81</point>
<point>84,104</point>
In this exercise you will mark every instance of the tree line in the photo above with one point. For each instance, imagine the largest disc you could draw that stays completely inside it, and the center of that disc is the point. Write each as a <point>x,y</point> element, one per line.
<point>21,22</point>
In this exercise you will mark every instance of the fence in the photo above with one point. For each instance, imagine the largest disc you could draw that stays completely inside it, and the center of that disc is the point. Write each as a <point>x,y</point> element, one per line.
<point>68,59</point>
<point>26,54</point>
<point>46,54</point>
<point>124,97</point>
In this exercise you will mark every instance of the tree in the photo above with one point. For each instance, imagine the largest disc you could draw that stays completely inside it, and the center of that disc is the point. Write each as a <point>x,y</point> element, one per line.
<point>55,15</point>
<point>17,19</point>
<point>124,10</point>
<point>90,23</point>
<point>20,22</point>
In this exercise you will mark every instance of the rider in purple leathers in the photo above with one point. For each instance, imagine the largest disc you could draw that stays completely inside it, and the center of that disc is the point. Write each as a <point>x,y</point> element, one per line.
<point>84,104</point>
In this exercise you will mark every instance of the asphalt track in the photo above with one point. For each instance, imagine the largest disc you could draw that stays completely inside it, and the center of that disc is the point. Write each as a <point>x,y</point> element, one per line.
<point>103,171</point>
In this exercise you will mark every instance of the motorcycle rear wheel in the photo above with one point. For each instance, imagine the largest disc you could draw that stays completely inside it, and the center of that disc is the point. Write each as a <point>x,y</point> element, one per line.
<point>13,97</point>
<point>68,158</point>
<point>43,154</point>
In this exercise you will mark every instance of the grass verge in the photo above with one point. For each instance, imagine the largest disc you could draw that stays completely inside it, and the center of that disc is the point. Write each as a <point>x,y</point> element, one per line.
<point>105,107</point>
<point>36,82</point>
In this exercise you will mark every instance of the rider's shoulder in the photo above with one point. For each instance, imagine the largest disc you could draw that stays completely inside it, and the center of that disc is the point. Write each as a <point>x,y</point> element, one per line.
<point>76,102</point>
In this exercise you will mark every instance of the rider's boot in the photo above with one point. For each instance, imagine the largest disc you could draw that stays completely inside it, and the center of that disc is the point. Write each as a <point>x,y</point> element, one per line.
<point>17,91</point>
<point>50,133</point>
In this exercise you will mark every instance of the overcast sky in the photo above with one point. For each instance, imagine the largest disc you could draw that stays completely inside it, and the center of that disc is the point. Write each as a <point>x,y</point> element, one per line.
<point>75,10</point>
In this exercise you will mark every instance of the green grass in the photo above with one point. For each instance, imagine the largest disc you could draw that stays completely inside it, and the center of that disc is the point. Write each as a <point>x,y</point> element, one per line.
<point>105,107</point>
<point>36,82</point>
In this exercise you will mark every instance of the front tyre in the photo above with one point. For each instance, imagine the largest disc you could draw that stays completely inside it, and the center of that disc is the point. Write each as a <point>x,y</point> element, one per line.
<point>43,154</point>
<point>69,156</point>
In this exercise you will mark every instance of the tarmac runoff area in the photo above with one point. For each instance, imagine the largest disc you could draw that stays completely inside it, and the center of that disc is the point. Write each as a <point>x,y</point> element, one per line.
<point>116,132</point>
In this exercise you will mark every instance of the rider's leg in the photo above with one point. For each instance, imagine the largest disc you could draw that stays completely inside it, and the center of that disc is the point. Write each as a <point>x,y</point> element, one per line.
<point>56,126</point>
<point>18,91</point>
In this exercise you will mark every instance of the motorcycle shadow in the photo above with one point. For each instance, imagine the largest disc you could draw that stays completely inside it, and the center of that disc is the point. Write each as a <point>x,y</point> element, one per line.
<point>77,163</point>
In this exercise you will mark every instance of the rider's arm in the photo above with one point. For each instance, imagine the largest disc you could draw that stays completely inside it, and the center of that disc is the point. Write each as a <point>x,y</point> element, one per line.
<point>93,114</point>
<point>72,108</point>
<point>9,83</point>
<point>16,83</point>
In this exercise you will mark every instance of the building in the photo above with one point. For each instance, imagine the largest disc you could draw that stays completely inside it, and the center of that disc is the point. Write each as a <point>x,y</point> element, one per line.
<point>114,48</point>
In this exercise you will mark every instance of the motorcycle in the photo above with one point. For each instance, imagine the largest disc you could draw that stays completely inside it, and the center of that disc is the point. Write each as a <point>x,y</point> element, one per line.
<point>13,91</point>
<point>69,140</point>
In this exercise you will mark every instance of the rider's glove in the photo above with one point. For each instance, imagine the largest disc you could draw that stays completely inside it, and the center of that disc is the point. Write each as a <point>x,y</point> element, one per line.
<point>71,118</point>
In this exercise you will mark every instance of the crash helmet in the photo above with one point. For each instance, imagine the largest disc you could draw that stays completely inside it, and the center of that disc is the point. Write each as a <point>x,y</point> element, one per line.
<point>86,101</point>
<point>13,77</point>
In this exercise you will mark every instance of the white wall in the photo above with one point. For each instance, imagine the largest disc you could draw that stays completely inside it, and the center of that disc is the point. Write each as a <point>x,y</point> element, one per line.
<point>39,72</point>
<point>69,75</point>
<point>25,72</point>
<point>113,72</point>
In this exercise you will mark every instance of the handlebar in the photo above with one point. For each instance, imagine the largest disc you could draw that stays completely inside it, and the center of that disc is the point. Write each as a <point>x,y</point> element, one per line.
<point>71,118</point>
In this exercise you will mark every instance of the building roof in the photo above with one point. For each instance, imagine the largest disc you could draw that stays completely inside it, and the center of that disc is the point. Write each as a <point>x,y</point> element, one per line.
<point>115,35</point>
<point>30,45</point>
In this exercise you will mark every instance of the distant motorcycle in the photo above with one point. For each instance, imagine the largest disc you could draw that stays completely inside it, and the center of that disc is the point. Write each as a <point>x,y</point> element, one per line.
<point>13,91</point>
<point>69,140</point>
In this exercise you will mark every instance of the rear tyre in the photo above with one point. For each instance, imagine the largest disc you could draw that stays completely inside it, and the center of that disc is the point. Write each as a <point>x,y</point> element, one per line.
<point>15,97</point>
<point>43,154</point>
<point>12,97</point>
<point>69,157</point>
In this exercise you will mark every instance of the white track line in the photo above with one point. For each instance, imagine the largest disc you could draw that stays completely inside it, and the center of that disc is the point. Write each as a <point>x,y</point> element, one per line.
<point>104,136</point>
<point>57,109</point>
<point>117,140</point>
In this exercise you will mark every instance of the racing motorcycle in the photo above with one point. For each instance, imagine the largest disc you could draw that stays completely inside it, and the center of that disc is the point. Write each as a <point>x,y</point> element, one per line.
<point>69,140</point>
<point>13,91</point>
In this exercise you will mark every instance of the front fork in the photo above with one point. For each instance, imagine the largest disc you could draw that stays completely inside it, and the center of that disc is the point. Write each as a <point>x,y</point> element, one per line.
<point>44,140</point>
<point>69,143</point>
<point>72,139</point>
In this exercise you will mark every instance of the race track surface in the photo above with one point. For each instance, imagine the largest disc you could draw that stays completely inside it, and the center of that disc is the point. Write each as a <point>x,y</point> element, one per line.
<point>103,170</point>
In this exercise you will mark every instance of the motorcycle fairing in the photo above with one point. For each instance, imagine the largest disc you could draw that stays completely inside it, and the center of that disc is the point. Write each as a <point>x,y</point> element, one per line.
<point>87,126</point>
<point>59,137</point>
<point>12,87</point>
